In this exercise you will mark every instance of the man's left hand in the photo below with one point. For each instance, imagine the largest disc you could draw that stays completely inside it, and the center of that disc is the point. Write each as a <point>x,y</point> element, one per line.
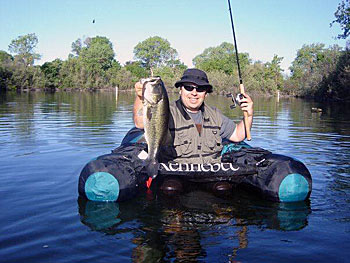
<point>246,104</point>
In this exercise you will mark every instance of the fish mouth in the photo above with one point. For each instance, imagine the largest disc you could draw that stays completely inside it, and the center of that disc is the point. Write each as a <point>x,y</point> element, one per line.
<point>152,80</point>
<point>152,89</point>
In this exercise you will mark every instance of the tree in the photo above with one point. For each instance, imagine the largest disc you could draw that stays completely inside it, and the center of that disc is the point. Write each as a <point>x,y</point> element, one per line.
<point>24,47</point>
<point>71,74</point>
<point>314,63</point>
<point>155,52</point>
<point>5,57</point>
<point>51,71</point>
<point>91,66</point>
<point>307,59</point>
<point>136,69</point>
<point>5,69</point>
<point>77,45</point>
<point>335,85</point>
<point>221,58</point>
<point>342,16</point>
<point>98,53</point>
<point>273,71</point>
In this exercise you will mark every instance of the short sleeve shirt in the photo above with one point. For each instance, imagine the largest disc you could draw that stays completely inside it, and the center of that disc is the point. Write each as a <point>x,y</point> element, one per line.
<point>227,128</point>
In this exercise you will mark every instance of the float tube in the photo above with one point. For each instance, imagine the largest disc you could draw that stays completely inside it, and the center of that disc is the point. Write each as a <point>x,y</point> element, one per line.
<point>120,175</point>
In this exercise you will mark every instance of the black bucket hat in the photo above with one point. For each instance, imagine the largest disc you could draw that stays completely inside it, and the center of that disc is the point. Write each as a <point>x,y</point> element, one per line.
<point>195,76</point>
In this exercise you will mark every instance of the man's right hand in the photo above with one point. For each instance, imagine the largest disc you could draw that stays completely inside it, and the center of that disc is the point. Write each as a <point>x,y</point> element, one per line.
<point>138,106</point>
<point>139,89</point>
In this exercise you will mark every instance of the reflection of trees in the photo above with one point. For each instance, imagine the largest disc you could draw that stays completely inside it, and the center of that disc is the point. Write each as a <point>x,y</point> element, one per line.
<point>184,228</point>
<point>333,119</point>
<point>89,109</point>
<point>52,115</point>
<point>19,111</point>
<point>101,110</point>
<point>4,96</point>
<point>291,118</point>
<point>267,107</point>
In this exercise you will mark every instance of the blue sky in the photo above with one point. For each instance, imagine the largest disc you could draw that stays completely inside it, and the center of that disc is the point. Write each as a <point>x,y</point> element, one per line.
<point>263,27</point>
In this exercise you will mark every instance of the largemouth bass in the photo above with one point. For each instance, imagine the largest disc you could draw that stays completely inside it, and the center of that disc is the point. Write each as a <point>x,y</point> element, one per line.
<point>155,118</point>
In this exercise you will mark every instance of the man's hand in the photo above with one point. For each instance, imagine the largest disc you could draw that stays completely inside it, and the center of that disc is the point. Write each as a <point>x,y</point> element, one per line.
<point>246,104</point>
<point>139,89</point>
<point>138,115</point>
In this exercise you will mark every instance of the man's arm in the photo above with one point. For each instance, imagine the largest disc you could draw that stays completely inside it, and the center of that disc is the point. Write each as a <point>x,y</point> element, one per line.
<point>138,105</point>
<point>239,133</point>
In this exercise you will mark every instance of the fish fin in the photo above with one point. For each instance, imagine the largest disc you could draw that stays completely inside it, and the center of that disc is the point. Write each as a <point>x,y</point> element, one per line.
<point>149,182</point>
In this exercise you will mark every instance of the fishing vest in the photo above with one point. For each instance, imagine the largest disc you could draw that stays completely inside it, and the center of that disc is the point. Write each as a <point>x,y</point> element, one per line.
<point>188,144</point>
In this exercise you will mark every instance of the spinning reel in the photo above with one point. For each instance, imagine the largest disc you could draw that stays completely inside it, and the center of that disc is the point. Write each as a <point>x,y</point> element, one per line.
<point>236,100</point>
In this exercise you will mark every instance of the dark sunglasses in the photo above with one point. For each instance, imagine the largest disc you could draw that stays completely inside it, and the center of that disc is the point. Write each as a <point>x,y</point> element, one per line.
<point>198,89</point>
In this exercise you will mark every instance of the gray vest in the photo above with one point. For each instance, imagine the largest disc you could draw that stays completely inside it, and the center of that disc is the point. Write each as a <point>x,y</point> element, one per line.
<point>188,145</point>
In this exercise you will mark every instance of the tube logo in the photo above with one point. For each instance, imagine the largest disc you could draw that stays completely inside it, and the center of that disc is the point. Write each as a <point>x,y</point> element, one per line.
<point>195,167</point>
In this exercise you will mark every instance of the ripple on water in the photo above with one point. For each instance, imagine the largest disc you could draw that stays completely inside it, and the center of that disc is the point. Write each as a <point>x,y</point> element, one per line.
<point>46,140</point>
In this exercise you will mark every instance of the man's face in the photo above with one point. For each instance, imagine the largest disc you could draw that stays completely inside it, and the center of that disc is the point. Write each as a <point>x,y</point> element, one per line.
<point>192,99</point>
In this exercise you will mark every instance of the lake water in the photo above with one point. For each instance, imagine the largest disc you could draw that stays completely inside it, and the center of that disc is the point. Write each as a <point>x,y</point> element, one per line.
<point>46,139</point>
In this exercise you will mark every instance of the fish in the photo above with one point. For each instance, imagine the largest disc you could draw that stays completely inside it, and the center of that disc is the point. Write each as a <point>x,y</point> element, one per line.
<point>156,114</point>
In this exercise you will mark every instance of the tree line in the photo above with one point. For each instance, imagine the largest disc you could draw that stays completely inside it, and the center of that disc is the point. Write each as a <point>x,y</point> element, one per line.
<point>317,71</point>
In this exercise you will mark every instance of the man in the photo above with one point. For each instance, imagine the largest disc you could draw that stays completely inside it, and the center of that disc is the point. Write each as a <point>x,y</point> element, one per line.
<point>197,129</point>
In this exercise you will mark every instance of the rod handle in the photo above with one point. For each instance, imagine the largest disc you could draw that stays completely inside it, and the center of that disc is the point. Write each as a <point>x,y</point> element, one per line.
<point>245,115</point>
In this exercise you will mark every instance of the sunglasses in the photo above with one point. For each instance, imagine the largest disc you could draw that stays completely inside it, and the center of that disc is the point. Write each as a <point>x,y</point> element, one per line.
<point>198,89</point>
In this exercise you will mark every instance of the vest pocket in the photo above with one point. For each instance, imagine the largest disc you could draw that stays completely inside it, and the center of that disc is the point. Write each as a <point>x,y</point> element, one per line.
<point>212,145</point>
<point>182,146</point>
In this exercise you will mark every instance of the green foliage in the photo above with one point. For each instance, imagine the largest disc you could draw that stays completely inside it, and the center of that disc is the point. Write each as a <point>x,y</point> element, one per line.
<point>312,66</point>
<point>51,71</point>
<point>124,79</point>
<point>72,75</point>
<point>5,76</point>
<point>155,52</point>
<point>273,71</point>
<point>93,66</point>
<point>5,70</point>
<point>26,78</point>
<point>342,17</point>
<point>77,45</point>
<point>223,83</point>
<point>112,72</point>
<point>98,55</point>
<point>336,85</point>
<point>18,72</point>
<point>169,74</point>
<point>258,81</point>
<point>136,69</point>
<point>221,58</point>
<point>221,65</point>
<point>24,47</point>
<point>5,57</point>
<point>317,71</point>
<point>308,59</point>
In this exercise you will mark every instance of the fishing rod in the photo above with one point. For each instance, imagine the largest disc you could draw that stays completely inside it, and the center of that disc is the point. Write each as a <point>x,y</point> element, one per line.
<point>241,86</point>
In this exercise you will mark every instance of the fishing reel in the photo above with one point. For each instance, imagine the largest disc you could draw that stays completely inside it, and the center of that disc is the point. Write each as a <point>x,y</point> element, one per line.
<point>236,100</point>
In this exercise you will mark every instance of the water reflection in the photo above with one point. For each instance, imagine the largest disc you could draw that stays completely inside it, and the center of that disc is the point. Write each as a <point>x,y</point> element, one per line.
<point>36,118</point>
<point>99,216</point>
<point>55,134</point>
<point>180,227</point>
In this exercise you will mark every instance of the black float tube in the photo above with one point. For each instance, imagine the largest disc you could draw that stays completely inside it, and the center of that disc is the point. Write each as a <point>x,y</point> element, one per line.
<point>241,86</point>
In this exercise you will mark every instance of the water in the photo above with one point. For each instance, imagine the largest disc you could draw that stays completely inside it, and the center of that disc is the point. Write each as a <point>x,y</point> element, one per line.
<point>46,139</point>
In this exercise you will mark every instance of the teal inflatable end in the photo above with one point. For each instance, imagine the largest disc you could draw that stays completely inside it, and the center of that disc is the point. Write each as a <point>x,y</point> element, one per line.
<point>102,186</point>
<point>293,188</point>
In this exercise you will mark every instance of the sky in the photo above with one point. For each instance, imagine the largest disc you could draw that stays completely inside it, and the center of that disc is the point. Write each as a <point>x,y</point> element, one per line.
<point>263,27</point>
